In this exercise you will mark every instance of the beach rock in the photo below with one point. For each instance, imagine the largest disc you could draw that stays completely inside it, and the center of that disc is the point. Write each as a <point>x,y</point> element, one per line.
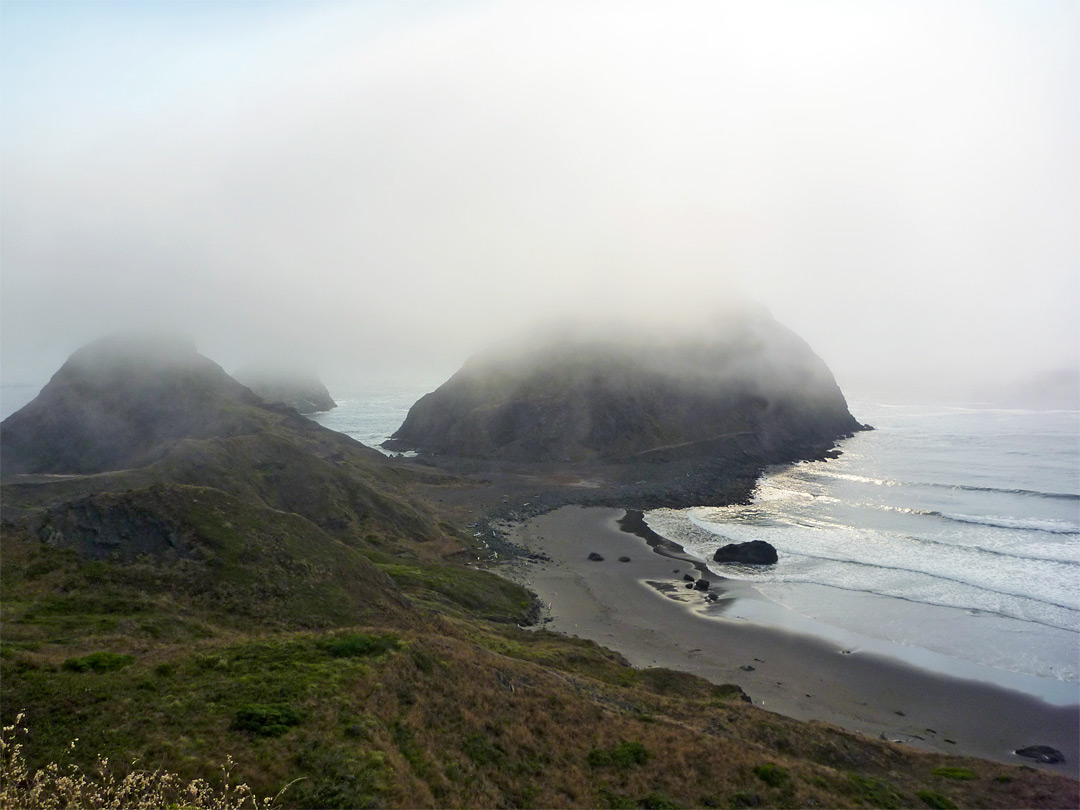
<point>756,552</point>
<point>688,577</point>
<point>1041,753</point>
<point>596,557</point>
<point>624,559</point>
<point>740,385</point>
<point>701,585</point>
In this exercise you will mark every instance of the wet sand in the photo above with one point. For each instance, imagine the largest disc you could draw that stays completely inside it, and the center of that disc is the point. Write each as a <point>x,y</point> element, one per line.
<point>643,610</point>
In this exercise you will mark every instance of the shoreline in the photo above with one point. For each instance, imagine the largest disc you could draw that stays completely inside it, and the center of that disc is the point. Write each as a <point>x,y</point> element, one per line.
<point>643,609</point>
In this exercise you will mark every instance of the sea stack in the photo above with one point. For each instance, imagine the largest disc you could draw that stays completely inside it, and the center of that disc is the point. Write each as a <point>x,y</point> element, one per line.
<point>741,385</point>
<point>301,390</point>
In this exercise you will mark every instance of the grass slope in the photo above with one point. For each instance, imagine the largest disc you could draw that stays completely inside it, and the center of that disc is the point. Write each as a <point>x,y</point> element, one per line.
<point>463,715</point>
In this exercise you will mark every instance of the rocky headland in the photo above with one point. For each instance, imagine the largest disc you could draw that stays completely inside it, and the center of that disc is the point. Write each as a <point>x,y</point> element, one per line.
<point>636,417</point>
<point>299,389</point>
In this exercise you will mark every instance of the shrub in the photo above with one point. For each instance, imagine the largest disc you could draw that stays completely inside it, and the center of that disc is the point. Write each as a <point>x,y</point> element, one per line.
<point>875,792</point>
<point>965,774</point>
<point>266,720</point>
<point>358,645</point>
<point>936,800</point>
<point>772,775</point>
<point>98,662</point>
<point>483,751</point>
<point>624,755</point>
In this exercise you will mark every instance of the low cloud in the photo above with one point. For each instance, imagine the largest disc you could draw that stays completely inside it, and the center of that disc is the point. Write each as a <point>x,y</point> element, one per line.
<point>380,190</point>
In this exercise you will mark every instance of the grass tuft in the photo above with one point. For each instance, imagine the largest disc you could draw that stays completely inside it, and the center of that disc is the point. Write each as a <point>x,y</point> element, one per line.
<point>358,645</point>
<point>964,774</point>
<point>98,662</point>
<point>266,720</point>
<point>772,775</point>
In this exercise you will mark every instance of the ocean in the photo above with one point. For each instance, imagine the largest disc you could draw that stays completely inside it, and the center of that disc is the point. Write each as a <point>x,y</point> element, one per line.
<point>948,536</point>
<point>946,533</point>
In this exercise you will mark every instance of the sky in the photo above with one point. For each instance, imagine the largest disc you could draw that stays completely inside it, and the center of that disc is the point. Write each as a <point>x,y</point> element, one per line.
<point>381,189</point>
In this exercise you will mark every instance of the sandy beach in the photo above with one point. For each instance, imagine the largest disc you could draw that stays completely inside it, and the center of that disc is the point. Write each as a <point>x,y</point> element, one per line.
<point>642,609</point>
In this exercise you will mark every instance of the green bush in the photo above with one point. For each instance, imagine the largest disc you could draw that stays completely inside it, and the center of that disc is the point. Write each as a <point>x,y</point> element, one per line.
<point>266,720</point>
<point>965,774</point>
<point>98,662</point>
<point>358,645</point>
<point>772,775</point>
<point>936,800</point>
<point>875,792</point>
<point>624,755</point>
<point>483,751</point>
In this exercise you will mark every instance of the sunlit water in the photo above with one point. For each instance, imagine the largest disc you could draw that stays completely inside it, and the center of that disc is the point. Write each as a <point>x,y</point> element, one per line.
<point>955,530</point>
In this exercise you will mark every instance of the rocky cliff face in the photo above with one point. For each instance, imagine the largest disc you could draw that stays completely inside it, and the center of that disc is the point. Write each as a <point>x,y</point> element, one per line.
<point>746,380</point>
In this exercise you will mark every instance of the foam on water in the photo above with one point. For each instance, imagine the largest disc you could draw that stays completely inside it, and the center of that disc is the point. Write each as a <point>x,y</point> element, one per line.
<point>954,530</point>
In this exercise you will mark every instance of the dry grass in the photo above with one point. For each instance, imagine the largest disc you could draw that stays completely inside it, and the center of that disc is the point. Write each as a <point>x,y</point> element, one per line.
<point>61,785</point>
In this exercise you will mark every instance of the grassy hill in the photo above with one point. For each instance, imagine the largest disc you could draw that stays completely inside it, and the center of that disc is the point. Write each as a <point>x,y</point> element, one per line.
<point>281,595</point>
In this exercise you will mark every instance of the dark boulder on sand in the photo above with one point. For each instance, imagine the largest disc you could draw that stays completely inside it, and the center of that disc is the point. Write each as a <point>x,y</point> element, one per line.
<point>595,557</point>
<point>756,552</point>
<point>741,386</point>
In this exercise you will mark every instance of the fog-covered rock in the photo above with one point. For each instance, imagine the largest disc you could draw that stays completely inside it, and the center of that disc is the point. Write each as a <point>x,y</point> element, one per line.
<point>120,402</point>
<point>301,390</point>
<point>742,384</point>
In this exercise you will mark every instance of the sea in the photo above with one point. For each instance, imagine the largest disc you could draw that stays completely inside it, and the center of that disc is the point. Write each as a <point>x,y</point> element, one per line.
<point>948,536</point>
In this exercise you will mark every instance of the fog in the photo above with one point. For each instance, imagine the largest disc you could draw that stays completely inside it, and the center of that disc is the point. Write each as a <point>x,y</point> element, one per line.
<point>382,189</point>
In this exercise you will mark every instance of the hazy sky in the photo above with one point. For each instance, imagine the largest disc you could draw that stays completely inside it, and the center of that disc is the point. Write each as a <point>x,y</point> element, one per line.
<point>384,187</point>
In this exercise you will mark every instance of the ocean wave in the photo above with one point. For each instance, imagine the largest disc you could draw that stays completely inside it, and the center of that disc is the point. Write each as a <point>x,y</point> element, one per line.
<point>1059,624</point>
<point>888,482</point>
<point>932,589</point>
<point>1055,553</point>
<point>1047,525</point>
